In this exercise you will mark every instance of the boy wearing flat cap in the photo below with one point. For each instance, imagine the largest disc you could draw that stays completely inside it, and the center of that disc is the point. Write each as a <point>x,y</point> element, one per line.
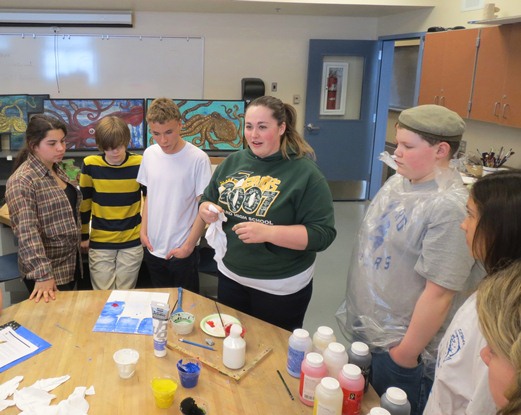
<point>411,260</point>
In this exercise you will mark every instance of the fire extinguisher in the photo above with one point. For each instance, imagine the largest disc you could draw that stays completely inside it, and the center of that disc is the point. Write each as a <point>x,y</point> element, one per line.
<point>332,82</point>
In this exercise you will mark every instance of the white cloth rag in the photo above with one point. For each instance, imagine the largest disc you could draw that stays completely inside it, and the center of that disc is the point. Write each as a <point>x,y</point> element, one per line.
<point>6,390</point>
<point>215,235</point>
<point>37,394</point>
<point>75,404</point>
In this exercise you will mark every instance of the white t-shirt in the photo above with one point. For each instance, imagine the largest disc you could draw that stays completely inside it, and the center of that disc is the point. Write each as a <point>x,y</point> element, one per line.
<point>461,379</point>
<point>173,181</point>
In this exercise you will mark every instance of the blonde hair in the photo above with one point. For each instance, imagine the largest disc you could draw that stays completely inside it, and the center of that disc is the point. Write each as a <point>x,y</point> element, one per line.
<point>112,132</point>
<point>499,312</point>
<point>163,110</point>
<point>290,141</point>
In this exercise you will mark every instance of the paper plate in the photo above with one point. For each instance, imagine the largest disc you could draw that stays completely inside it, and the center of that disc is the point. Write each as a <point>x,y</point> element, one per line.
<point>212,324</point>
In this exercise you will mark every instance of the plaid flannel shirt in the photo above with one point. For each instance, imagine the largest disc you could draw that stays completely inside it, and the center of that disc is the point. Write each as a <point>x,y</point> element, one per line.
<point>48,231</point>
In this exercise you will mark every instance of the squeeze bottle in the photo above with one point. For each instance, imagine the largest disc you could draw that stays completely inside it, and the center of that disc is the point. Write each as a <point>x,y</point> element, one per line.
<point>234,348</point>
<point>299,345</point>
<point>322,337</point>
<point>352,384</point>
<point>328,397</point>
<point>378,411</point>
<point>395,401</point>
<point>313,370</point>
<point>335,357</point>
<point>359,355</point>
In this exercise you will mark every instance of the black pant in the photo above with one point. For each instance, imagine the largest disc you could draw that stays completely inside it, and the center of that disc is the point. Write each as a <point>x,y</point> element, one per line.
<point>174,272</point>
<point>286,311</point>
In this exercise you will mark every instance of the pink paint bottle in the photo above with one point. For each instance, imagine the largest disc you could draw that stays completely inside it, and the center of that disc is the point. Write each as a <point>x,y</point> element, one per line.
<point>352,384</point>
<point>312,371</point>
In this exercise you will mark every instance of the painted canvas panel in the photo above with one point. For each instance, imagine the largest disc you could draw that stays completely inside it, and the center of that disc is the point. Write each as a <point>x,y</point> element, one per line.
<point>13,121</point>
<point>129,312</point>
<point>35,104</point>
<point>211,125</point>
<point>82,115</point>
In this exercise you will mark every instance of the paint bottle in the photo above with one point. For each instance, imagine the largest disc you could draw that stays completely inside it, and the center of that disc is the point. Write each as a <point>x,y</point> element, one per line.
<point>359,355</point>
<point>322,337</point>
<point>234,348</point>
<point>313,370</point>
<point>160,327</point>
<point>379,411</point>
<point>300,344</point>
<point>395,401</point>
<point>335,357</point>
<point>328,397</point>
<point>352,384</point>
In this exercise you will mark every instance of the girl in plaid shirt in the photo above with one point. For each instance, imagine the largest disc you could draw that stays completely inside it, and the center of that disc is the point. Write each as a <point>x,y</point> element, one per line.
<point>44,210</point>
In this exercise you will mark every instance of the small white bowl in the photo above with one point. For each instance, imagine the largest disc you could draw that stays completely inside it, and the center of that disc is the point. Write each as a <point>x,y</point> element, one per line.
<point>183,322</point>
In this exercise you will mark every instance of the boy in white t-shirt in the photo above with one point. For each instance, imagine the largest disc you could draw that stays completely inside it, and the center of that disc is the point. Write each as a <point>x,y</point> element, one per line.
<point>175,173</point>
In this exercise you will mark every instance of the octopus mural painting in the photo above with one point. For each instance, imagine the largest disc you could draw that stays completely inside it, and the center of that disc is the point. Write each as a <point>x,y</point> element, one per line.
<point>82,115</point>
<point>211,125</point>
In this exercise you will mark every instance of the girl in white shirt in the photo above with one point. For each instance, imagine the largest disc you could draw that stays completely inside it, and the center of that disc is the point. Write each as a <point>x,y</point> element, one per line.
<point>493,232</point>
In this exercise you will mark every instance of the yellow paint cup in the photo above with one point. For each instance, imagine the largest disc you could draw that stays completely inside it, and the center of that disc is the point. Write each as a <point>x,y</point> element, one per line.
<point>164,391</point>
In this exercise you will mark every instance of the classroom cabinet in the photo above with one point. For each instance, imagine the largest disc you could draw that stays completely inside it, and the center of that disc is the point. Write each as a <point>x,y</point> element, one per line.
<point>448,68</point>
<point>497,81</point>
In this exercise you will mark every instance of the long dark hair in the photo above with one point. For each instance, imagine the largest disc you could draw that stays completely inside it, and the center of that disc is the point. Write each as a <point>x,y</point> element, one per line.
<point>37,129</point>
<point>498,233</point>
<point>291,140</point>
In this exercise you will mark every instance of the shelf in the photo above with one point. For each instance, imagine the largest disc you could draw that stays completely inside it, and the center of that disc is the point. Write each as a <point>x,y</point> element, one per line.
<point>498,20</point>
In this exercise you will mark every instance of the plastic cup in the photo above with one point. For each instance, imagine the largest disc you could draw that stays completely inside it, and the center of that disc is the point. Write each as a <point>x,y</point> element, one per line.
<point>183,322</point>
<point>126,361</point>
<point>164,391</point>
<point>189,371</point>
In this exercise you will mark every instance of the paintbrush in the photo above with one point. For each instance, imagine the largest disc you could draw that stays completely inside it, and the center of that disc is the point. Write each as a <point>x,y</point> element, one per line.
<point>220,317</point>
<point>204,346</point>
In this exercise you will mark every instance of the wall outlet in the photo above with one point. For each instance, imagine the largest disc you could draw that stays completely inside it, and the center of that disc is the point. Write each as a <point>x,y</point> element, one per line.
<point>273,87</point>
<point>296,99</point>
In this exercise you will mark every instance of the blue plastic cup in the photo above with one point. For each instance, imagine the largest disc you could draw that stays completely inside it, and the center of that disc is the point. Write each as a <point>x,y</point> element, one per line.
<point>189,371</point>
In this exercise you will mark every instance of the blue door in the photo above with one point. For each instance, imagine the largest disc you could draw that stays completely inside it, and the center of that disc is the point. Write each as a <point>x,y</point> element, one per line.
<point>342,92</point>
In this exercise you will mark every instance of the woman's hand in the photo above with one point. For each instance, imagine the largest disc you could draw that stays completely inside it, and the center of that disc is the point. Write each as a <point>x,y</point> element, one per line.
<point>253,232</point>
<point>46,289</point>
<point>209,216</point>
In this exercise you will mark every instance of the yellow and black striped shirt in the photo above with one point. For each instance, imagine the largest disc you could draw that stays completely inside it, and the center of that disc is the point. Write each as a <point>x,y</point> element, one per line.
<point>111,207</point>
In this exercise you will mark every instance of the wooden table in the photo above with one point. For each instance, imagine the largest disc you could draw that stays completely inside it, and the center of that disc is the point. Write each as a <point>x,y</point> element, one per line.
<point>87,357</point>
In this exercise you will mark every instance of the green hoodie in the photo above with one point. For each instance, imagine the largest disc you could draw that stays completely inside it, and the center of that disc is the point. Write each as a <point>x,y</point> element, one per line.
<point>274,191</point>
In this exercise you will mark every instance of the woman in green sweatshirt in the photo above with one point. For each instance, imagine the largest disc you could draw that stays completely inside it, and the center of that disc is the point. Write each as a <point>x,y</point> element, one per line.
<point>279,213</point>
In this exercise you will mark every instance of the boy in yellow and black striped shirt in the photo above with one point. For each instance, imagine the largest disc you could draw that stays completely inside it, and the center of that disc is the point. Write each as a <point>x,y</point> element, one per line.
<point>111,208</point>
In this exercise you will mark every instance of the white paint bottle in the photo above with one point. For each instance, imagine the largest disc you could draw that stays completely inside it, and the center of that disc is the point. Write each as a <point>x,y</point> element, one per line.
<point>335,357</point>
<point>234,348</point>
<point>322,337</point>
<point>328,397</point>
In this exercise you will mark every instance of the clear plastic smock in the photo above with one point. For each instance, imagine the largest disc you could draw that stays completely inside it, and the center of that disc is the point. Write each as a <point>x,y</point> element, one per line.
<point>410,234</point>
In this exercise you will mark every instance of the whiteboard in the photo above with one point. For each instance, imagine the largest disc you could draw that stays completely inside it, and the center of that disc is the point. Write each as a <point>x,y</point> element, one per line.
<point>101,66</point>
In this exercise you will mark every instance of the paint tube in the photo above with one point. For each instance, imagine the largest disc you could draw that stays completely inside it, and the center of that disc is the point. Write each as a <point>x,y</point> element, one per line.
<point>160,325</point>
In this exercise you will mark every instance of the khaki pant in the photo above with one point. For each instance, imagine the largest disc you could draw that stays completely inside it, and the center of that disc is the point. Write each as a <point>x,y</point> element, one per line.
<point>115,268</point>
